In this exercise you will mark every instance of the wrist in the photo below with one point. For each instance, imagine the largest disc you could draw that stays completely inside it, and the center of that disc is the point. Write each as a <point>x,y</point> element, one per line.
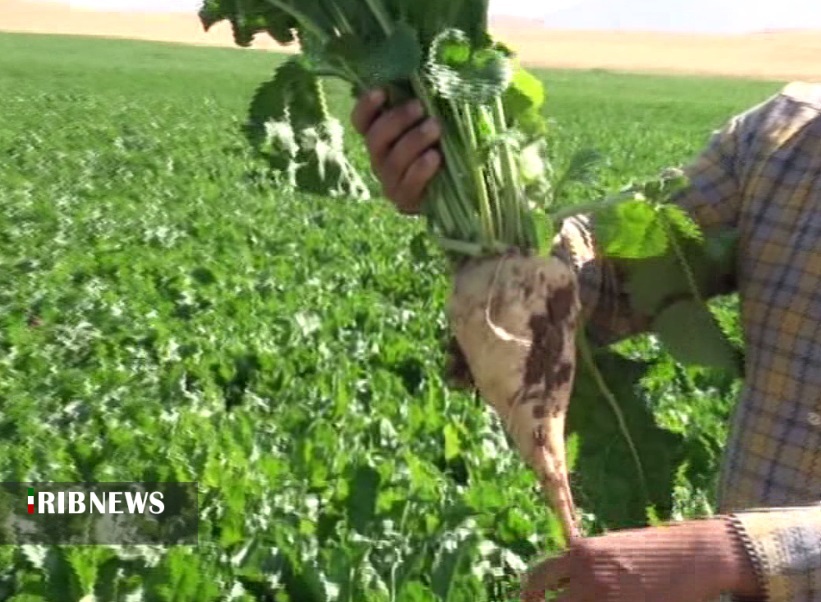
<point>723,559</point>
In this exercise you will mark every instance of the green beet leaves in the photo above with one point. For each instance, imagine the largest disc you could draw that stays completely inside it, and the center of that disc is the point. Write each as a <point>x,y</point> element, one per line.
<point>249,18</point>
<point>290,125</point>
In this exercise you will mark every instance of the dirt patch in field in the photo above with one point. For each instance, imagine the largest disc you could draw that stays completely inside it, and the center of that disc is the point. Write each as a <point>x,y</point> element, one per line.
<point>767,55</point>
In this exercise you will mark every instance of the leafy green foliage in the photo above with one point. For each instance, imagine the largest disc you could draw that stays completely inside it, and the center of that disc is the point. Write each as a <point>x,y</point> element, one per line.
<point>290,125</point>
<point>446,58</point>
<point>614,492</point>
<point>523,101</point>
<point>430,18</point>
<point>692,335</point>
<point>248,18</point>
<point>389,59</point>
<point>672,268</point>
<point>654,281</point>
<point>631,230</point>
<point>463,74</point>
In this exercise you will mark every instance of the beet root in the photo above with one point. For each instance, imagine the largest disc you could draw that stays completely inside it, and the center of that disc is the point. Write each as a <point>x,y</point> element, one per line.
<point>514,318</point>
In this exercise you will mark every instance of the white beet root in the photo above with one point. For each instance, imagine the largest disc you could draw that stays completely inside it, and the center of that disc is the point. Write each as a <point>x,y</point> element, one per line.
<point>515,318</point>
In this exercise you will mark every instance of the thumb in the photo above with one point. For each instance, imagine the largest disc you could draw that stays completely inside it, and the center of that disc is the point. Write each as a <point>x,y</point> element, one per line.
<point>547,575</point>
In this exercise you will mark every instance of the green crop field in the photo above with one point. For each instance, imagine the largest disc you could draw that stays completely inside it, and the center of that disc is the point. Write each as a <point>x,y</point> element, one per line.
<point>167,314</point>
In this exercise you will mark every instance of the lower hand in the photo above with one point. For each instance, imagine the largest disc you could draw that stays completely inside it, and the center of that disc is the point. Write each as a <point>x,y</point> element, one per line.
<point>693,561</point>
<point>400,143</point>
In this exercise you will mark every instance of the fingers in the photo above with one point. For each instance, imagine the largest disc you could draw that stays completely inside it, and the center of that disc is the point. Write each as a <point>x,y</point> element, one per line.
<point>367,109</point>
<point>389,127</point>
<point>400,146</point>
<point>531,596</point>
<point>402,155</point>
<point>411,146</point>
<point>548,575</point>
<point>407,191</point>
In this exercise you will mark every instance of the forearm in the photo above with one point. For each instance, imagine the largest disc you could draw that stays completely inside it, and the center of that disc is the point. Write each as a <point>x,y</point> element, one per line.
<point>724,559</point>
<point>610,311</point>
<point>606,310</point>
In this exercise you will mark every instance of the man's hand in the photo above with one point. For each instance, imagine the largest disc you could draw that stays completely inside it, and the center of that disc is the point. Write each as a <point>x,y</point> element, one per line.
<point>694,561</point>
<point>400,143</point>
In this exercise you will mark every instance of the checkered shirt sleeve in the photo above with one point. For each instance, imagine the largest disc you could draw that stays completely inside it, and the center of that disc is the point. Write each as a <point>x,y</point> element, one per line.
<point>761,176</point>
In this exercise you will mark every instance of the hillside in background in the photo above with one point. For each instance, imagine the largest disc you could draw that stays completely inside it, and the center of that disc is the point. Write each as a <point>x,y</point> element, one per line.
<point>777,55</point>
<point>695,16</point>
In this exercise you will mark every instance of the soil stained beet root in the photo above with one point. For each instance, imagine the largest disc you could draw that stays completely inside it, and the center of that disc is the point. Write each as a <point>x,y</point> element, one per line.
<point>514,320</point>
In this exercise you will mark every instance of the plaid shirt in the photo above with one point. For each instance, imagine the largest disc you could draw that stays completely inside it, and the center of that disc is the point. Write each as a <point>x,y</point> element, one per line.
<point>761,176</point>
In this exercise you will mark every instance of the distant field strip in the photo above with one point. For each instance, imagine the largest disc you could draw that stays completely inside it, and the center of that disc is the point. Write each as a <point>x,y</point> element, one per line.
<point>773,55</point>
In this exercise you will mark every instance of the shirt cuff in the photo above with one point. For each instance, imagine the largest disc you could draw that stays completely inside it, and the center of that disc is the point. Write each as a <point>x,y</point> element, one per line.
<point>574,245</point>
<point>784,545</point>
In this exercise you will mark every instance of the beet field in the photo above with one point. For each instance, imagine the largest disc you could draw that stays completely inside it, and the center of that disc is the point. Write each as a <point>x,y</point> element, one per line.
<point>169,313</point>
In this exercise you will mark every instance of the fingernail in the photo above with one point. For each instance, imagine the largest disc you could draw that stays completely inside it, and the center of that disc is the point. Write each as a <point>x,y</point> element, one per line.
<point>416,109</point>
<point>430,157</point>
<point>430,127</point>
<point>376,96</point>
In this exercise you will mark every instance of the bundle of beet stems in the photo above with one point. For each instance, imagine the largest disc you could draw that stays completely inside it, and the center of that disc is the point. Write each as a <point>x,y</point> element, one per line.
<point>514,309</point>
